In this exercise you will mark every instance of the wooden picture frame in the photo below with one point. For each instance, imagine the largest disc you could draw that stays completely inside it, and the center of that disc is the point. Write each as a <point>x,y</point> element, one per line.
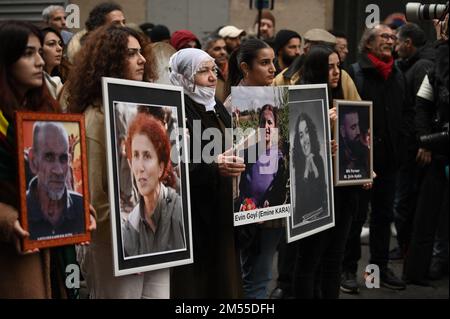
<point>353,163</point>
<point>64,175</point>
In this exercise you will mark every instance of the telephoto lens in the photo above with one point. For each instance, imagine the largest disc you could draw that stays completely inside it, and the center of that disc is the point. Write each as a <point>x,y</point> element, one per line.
<point>415,11</point>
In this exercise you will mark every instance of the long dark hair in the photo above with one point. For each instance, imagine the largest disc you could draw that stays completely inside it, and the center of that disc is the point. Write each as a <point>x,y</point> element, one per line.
<point>63,69</point>
<point>298,156</point>
<point>104,54</point>
<point>315,70</point>
<point>14,39</point>
<point>247,52</point>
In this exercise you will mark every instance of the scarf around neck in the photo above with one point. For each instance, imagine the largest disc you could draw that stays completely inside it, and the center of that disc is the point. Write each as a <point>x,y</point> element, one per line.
<point>184,64</point>
<point>384,68</point>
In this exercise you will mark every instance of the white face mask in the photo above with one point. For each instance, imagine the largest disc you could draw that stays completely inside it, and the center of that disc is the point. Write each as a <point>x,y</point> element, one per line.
<point>205,96</point>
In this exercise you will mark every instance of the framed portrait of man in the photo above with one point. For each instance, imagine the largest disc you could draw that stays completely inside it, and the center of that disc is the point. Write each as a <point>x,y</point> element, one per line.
<point>261,135</point>
<point>54,197</point>
<point>311,182</point>
<point>148,176</point>
<point>353,161</point>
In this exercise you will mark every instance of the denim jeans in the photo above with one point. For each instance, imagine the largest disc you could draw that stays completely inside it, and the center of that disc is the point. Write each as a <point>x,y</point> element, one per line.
<point>257,265</point>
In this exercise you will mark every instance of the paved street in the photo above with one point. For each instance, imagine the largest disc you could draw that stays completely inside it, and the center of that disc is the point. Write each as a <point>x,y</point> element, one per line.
<point>438,290</point>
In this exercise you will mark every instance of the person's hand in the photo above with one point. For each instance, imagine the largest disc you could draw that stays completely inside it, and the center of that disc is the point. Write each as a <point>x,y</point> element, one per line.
<point>311,166</point>
<point>266,203</point>
<point>423,157</point>
<point>230,165</point>
<point>334,147</point>
<point>19,234</point>
<point>333,115</point>
<point>92,223</point>
<point>368,186</point>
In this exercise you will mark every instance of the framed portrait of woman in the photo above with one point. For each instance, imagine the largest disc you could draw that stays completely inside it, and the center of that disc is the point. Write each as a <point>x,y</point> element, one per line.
<point>260,130</point>
<point>147,175</point>
<point>54,197</point>
<point>353,163</point>
<point>311,182</point>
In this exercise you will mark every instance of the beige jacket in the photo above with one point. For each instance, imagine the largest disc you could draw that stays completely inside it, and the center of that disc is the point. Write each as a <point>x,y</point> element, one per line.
<point>97,170</point>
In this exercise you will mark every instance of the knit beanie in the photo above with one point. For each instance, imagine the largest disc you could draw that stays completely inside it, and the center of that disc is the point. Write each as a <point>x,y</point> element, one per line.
<point>283,37</point>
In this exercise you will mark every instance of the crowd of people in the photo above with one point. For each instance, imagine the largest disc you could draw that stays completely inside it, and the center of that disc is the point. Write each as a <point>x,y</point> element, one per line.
<point>405,75</point>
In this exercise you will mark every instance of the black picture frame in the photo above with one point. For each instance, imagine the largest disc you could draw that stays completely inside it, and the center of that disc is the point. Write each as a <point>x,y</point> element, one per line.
<point>134,96</point>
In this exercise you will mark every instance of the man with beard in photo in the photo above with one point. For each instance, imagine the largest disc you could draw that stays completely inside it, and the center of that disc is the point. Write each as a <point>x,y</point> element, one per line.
<point>353,153</point>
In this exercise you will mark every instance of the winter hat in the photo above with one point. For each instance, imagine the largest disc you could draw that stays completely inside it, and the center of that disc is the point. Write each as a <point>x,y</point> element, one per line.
<point>283,37</point>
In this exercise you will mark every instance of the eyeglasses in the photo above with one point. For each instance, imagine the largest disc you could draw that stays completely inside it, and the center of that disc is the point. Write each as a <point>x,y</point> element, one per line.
<point>387,36</point>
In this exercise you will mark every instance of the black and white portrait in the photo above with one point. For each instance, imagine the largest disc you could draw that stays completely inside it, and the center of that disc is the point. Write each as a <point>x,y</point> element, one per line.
<point>311,183</point>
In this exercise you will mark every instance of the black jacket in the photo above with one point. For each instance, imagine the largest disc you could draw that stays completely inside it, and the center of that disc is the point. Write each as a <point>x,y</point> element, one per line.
<point>415,68</point>
<point>391,113</point>
<point>431,115</point>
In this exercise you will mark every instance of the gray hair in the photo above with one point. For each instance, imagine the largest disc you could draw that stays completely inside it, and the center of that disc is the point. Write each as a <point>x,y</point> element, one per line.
<point>209,40</point>
<point>39,127</point>
<point>47,12</point>
<point>368,36</point>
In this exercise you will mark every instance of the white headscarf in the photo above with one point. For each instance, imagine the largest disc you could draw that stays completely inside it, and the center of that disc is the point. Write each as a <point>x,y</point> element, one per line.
<point>184,64</point>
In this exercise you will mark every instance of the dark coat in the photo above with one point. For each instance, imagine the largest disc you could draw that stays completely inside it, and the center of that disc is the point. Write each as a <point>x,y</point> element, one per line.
<point>415,68</point>
<point>215,272</point>
<point>391,113</point>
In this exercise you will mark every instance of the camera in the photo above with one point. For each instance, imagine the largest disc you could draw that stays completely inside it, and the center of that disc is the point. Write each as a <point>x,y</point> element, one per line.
<point>416,11</point>
<point>437,142</point>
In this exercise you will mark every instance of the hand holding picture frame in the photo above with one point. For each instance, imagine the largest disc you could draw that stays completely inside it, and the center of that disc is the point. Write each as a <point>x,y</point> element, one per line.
<point>311,183</point>
<point>54,202</point>
<point>353,163</point>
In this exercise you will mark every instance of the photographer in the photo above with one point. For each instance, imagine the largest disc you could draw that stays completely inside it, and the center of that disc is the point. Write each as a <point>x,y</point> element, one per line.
<point>432,105</point>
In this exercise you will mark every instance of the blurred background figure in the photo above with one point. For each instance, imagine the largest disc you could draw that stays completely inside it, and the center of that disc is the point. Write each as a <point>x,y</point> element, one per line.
<point>232,37</point>
<point>287,47</point>
<point>183,39</point>
<point>162,52</point>
<point>215,46</point>
<point>266,26</point>
<point>341,44</point>
<point>55,17</point>
<point>160,33</point>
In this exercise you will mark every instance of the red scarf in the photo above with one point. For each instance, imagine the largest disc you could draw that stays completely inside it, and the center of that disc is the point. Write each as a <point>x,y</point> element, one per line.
<point>385,68</point>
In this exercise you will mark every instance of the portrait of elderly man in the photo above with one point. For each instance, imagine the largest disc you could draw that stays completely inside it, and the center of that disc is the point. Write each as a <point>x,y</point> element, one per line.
<point>353,152</point>
<point>52,208</point>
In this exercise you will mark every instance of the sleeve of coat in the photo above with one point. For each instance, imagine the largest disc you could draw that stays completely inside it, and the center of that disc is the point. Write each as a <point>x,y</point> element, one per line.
<point>96,158</point>
<point>8,215</point>
<point>349,89</point>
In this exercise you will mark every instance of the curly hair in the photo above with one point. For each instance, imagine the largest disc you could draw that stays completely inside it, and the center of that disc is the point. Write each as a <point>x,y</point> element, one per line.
<point>299,157</point>
<point>97,16</point>
<point>103,54</point>
<point>154,130</point>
